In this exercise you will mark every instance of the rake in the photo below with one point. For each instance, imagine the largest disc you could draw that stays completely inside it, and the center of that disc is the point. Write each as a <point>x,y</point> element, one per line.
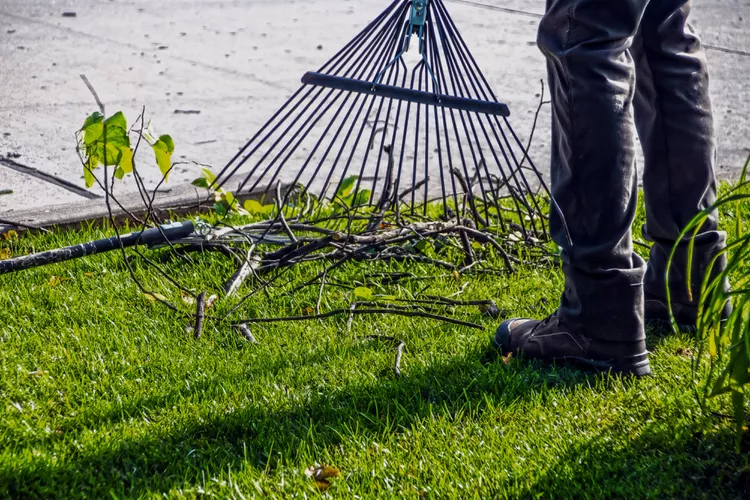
<point>398,139</point>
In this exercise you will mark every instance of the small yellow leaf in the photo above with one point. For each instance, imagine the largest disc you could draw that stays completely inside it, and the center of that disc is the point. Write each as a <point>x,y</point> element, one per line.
<point>456,275</point>
<point>10,235</point>
<point>153,297</point>
<point>308,311</point>
<point>507,359</point>
<point>5,253</point>
<point>56,280</point>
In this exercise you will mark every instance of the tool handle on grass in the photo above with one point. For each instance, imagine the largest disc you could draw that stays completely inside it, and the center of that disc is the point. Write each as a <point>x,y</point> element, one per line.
<point>153,236</point>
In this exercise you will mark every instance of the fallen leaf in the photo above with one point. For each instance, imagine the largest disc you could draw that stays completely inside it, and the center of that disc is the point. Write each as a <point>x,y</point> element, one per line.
<point>685,351</point>
<point>321,475</point>
<point>456,275</point>
<point>507,359</point>
<point>153,297</point>
<point>10,235</point>
<point>308,311</point>
<point>56,280</point>
<point>363,293</point>
<point>5,253</point>
<point>187,299</point>
<point>210,301</point>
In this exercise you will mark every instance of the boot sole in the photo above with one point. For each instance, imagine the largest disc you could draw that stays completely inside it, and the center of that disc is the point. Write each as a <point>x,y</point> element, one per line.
<point>638,369</point>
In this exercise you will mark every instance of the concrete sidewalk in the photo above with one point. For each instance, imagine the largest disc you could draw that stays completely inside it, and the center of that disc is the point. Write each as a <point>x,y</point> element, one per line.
<point>233,63</point>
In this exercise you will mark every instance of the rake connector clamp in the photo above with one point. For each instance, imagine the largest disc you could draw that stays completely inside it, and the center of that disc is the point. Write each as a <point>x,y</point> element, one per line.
<point>418,15</point>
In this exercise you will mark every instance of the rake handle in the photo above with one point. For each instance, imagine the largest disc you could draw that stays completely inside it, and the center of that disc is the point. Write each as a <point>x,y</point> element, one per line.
<point>153,236</point>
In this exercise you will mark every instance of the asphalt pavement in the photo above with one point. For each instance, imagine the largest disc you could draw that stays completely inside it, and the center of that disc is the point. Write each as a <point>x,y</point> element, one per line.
<point>211,72</point>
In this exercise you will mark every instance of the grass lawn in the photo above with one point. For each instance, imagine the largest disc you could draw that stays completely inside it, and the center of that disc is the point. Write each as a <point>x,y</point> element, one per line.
<point>104,394</point>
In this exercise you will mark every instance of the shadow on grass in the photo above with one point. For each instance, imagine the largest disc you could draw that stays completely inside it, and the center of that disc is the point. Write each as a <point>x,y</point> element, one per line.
<point>664,461</point>
<point>254,436</point>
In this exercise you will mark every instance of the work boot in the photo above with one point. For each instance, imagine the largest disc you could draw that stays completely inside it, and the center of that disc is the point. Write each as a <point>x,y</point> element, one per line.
<point>552,341</point>
<point>686,315</point>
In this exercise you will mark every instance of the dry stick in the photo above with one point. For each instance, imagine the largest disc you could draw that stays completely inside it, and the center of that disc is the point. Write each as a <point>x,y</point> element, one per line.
<point>339,312</point>
<point>320,292</point>
<point>241,274</point>
<point>400,345</point>
<point>399,355</point>
<point>247,334</point>
<point>282,219</point>
<point>410,190</point>
<point>349,322</point>
<point>385,199</point>
<point>542,102</point>
<point>485,237</point>
<point>472,201</point>
<point>200,315</point>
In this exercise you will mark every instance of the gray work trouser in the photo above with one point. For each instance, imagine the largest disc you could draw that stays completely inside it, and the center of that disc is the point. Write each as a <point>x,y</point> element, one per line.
<point>613,64</point>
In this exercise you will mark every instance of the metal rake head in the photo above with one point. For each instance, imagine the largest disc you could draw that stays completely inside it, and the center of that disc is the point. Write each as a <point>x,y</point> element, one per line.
<point>368,130</point>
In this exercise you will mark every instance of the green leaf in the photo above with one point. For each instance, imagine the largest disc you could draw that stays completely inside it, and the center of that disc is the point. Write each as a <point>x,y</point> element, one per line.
<point>209,176</point>
<point>95,117</point>
<point>92,133</point>
<point>163,157</point>
<point>116,120</point>
<point>200,182</point>
<point>88,175</point>
<point>738,404</point>
<point>422,245</point>
<point>346,186</point>
<point>362,198</point>
<point>363,293</point>
<point>126,160</point>
<point>168,141</point>
<point>220,209</point>
<point>231,201</point>
<point>255,208</point>
<point>119,173</point>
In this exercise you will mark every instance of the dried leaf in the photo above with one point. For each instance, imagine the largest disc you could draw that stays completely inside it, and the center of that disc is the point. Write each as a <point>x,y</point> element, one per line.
<point>10,235</point>
<point>5,253</point>
<point>456,275</point>
<point>210,301</point>
<point>56,280</point>
<point>322,485</point>
<point>321,475</point>
<point>507,359</point>
<point>153,297</point>
<point>308,311</point>
<point>187,299</point>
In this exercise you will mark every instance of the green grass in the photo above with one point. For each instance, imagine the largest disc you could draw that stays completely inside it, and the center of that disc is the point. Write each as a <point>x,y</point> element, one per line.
<point>104,394</point>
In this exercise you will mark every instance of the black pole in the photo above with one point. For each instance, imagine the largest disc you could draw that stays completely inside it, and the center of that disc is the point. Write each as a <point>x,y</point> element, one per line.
<point>153,236</point>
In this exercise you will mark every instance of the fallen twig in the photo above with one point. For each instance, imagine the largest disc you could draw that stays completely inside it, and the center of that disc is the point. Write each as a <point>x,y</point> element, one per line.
<point>241,274</point>
<point>200,315</point>
<point>400,346</point>
<point>247,334</point>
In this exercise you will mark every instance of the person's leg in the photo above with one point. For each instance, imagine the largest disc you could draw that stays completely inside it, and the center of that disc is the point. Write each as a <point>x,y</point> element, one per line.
<point>594,182</point>
<point>675,125</point>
